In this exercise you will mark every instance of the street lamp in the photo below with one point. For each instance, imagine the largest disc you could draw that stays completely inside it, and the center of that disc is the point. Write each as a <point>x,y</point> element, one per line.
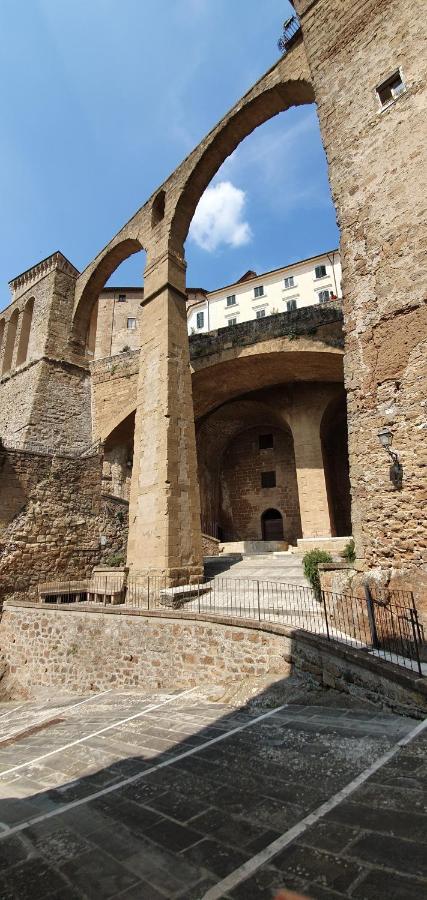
<point>385,437</point>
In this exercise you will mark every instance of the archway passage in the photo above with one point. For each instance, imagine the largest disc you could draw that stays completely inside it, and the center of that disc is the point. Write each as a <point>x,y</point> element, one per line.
<point>272,525</point>
<point>24,337</point>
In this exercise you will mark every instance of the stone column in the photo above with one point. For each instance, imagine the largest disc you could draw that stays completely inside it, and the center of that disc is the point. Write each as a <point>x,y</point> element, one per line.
<point>313,499</point>
<point>164,513</point>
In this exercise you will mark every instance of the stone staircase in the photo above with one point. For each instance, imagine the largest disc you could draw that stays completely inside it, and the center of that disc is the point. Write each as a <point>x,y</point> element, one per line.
<point>285,567</point>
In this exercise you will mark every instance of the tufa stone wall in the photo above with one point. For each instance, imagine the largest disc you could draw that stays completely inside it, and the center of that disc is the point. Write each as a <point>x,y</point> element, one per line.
<point>100,648</point>
<point>244,500</point>
<point>376,165</point>
<point>56,516</point>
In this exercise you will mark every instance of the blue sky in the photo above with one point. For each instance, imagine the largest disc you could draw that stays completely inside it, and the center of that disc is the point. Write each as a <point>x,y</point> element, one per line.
<point>102,100</point>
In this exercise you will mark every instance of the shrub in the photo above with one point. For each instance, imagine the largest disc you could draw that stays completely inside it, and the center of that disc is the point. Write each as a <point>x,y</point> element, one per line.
<point>349,552</point>
<point>311,562</point>
<point>115,560</point>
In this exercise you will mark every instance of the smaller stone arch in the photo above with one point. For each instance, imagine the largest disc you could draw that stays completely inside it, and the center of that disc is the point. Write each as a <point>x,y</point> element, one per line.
<point>24,337</point>
<point>92,280</point>
<point>158,208</point>
<point>272,525</point>
<point>10,342</point>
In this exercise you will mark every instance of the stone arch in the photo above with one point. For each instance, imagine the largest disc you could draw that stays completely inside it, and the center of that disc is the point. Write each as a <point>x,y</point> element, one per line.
<point>24,337</point>
<point>2,329</point>
<point>10,341</point>
<point>91,283</point>
<point>334,440</point>
<point>247,117</point>
<point>272,525</point>
<point>118,458</point>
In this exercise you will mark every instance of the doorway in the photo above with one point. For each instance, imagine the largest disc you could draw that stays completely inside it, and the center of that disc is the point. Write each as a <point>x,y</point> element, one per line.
<point>272,525</point>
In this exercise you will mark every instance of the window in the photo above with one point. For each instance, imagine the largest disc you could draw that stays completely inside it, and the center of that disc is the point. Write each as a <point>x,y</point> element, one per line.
<point>232,322</point>
<point>260,313</point>
<point>320,271</point>
<point>323,296</point>
<point>259,291</point>
<point>291,304</point>
<point>266,441</point>
<point>391,89</point>
<point>268,479</point>
<point>231,300</point>
<point>289,281</point>
<point>122,298</point>
<point>131,324</point>
<point>200,319</point>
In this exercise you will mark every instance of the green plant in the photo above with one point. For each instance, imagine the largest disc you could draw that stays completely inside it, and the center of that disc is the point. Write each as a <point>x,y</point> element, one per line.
<point>115,560</point>
<point>311,562</point>
<point>349,552</point>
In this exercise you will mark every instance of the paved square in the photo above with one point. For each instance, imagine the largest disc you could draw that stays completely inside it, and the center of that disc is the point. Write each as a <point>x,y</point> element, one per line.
<point>160,795</point>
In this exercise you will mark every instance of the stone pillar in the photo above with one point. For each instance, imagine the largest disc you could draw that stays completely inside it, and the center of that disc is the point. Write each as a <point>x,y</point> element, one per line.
<point>313,498</point>
<point>164,513</point>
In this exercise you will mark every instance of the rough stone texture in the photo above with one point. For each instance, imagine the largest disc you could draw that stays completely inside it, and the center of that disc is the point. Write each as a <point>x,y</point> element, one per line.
<point>45,399</point>
<point>56,517</point>
<point>244,500</point>
<point>95,649</point>
<point>376,165</point>
<point>210,545</point>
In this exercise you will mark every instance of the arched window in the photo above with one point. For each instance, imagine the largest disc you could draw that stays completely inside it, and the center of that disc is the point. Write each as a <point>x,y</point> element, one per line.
<point>10,342</point>
<point>24,337</point>
<point>272,525</point>
<point>2,327</point>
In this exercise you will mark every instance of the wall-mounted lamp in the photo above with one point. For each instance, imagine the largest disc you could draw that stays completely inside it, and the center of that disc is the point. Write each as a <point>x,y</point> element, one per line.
<point>385,437</point>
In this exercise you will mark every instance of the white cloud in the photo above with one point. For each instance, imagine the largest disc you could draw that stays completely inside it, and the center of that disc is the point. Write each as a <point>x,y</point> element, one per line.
<point>219,218</point>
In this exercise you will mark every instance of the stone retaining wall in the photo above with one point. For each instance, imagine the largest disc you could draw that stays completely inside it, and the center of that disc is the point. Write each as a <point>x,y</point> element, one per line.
<point>99,648</point>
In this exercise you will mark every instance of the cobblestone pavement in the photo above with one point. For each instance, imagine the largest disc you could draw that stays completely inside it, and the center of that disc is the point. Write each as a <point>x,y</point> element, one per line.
<point>147,796</point>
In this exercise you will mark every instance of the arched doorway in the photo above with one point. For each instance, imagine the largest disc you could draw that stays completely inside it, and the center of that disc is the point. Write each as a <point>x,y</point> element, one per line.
<point>272,525</point>
<point>334,438</point>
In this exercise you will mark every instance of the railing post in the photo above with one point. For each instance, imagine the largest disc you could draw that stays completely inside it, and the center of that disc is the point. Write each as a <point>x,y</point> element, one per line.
<point>259,607</point>
<point>371,617</point>
<point>414,623</point>
<point>198,593</point>
<point>148,592</point>
<point>325,609</point>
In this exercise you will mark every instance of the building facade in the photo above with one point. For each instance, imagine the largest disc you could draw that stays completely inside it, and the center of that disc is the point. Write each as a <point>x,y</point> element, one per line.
<point>304,283</point>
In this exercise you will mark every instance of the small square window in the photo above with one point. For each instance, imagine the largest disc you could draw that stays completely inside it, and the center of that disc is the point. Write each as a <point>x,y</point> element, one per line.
<point>232,322</point>
<point>131,324</point>
<point>323,296</point>
<point>231,300</point>
<point>260,313</point>
<point>122,298</point>
<point>268,479</point>
<point>259,291</point>
<point>289,281</point>
<point>320,271</point>
<point>391,89</point>
<point>200,319</point>
<point>266,441</point>
<point>291,304</point>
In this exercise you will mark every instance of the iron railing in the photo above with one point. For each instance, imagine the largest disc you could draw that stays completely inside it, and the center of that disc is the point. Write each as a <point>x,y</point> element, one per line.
<point>385,626</point>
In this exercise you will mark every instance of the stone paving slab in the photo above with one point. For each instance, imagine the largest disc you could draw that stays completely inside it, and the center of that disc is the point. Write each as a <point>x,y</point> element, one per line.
<point>151,808</point>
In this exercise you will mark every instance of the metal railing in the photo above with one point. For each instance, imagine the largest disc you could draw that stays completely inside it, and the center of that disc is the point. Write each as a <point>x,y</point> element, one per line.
<point>387,627</point>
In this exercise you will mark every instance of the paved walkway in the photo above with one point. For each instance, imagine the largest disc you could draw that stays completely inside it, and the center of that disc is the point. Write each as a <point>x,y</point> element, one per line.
<point>147,796</point>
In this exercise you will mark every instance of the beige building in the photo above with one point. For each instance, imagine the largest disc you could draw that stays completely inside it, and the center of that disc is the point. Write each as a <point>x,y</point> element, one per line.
<point>304,283</point>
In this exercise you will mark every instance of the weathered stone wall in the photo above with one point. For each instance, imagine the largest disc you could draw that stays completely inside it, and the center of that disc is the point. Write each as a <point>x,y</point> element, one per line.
<point>376,165</point>
<point>56,516</point>
<point>244,500</point>
<point>103,647</point>
<point>45,400</point>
